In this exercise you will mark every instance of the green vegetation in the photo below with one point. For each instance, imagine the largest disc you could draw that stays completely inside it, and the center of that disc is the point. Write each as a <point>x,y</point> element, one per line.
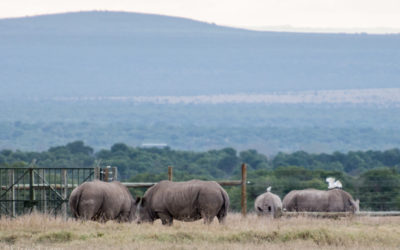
<point>36,126</point>
<point>371,176</point>
<point>56,237</point>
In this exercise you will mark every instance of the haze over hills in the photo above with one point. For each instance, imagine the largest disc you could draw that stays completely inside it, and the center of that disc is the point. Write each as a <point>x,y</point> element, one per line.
<point>130,54</point>
<point>108,77</point>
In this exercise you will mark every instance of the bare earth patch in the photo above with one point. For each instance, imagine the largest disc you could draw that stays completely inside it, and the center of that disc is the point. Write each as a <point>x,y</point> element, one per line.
<point>41,231</point>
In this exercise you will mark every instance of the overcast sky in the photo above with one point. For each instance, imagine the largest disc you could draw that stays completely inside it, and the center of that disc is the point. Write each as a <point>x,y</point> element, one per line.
<point>342,14</point>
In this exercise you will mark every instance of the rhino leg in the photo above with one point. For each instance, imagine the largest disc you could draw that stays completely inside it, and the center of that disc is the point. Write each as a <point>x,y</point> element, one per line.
<point>208,219</point>
<point>124,216</point>
<point>221,219</point>
<point>166,219</point>
<point>89,209</point>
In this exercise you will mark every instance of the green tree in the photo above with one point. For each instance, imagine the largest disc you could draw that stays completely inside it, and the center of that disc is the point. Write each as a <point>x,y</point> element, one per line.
<point>379,189</point>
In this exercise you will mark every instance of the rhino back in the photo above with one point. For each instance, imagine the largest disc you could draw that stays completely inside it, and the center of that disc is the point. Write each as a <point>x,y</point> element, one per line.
<point>313,200</point>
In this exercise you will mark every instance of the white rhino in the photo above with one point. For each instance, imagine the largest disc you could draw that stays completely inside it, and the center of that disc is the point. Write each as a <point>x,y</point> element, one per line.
<point>102,201</point>
<point>313,200</point>
<point>186,201</point>
<point>268,204</point>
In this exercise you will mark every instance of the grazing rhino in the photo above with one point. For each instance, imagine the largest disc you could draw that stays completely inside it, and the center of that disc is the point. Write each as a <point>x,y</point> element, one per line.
<point>313,200</point>
<point>268,204</point>
<point>186,201</point>
<point>102,201</point>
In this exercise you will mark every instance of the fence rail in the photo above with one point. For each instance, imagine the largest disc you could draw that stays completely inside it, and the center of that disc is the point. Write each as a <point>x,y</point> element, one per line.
<point>23,190</point>
<point>40,186</point>
<point>47,190</point>
<point>342,214</point>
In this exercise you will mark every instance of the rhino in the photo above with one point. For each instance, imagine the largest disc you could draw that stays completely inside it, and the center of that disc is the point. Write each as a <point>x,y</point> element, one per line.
<point>313,200</point>
<point>268,204</point>
<point>185,201</point>
<point>102,201</point>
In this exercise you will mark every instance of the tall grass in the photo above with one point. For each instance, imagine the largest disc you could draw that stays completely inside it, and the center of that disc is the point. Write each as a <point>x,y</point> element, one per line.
<point>41,231</point>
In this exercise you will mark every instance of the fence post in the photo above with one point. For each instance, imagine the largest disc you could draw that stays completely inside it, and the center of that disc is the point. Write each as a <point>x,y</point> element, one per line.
<point>34,192</point>
<point>170,173</point>
<point>44,193</point>
<point>115,173</point>
<point>11,179</point>
<point>64,183</point>
<point>105,176</point>
<point>31,190</point>
<point>97,173</point>
<point>244,195</point>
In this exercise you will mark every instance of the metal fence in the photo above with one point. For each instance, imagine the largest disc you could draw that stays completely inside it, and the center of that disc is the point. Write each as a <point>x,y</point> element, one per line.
<point>23,190</point>
<point>47,190</point>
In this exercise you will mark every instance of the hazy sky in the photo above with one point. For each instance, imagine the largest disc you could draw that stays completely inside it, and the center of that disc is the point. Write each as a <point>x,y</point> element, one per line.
<point>250,13</point>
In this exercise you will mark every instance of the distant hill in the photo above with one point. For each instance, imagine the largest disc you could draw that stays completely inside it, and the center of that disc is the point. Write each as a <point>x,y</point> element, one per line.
<point>130,54</point>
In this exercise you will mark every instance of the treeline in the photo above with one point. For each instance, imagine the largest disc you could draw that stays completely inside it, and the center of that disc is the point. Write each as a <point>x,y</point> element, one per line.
<point>371,176</point>
<point>353,163</point>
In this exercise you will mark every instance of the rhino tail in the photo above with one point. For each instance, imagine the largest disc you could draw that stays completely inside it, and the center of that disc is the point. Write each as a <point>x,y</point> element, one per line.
<point>224,208</point>
<point>74,203</point>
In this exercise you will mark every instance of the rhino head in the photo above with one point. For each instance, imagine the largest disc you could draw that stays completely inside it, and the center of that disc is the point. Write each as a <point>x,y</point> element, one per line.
<point>132,212</point>
<point>354,205</point>
<point>143,211</point>
<point>270,209</point>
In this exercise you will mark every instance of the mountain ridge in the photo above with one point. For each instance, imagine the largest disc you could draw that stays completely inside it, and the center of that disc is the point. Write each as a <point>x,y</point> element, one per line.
<point>122,53</point>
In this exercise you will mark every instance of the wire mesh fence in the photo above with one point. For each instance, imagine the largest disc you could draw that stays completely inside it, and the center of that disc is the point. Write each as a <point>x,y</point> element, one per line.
<point>23,190</point>
<point>379,194</point>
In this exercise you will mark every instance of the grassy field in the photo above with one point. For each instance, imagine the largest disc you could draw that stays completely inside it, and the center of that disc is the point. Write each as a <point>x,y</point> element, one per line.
<point>46,232</point>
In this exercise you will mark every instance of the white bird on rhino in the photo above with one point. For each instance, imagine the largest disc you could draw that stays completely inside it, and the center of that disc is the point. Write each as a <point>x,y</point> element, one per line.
<point>333,184</point>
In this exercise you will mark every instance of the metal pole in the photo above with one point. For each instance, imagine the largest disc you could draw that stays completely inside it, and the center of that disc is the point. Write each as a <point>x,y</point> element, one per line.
<point>44,193</point>
<point>244,196</point>
<point>11,180</point>
<point>115,173</point>
<point>31,190</point>
<point>106,170</point>
<point>170,173</point>
<point>34,192</point>
<point>64,183</point>
<point>96,173</point>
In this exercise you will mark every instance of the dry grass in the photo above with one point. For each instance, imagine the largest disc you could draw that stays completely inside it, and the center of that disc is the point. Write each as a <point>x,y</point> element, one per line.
<point>46,232</point>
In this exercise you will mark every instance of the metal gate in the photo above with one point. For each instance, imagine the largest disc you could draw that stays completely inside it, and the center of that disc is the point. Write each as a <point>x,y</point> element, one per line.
<point>46,190</point>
